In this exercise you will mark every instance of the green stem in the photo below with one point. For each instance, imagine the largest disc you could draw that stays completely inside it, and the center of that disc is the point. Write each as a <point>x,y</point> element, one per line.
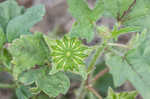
<point>118,45</point>
<point>81,91</point>
<point>10,86</point>
<point>97,54</point>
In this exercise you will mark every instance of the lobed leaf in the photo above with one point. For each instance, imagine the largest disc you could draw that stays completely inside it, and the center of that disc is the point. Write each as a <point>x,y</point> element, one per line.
<point>52,85</point>
<point>85,18</point>
<point>28,51</point>
<point>135,66</point>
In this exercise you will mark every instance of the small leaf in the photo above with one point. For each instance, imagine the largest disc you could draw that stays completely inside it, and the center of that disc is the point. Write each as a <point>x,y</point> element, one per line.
<point>22,24</point>
<point>121,95</point>
<point>116,32</point>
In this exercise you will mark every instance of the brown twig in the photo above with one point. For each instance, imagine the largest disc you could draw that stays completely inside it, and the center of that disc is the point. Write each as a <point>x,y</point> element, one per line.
<point>90,88</point>
<point>100,74</point>
<point>89,85</point>
<point>127,11</point>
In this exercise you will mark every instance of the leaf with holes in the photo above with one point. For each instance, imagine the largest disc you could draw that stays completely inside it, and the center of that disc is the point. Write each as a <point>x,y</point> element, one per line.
<point>28,51</point>
<point>53,85</point>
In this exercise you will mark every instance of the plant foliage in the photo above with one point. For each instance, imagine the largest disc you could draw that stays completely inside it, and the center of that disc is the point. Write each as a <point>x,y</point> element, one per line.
<point>39,64</point>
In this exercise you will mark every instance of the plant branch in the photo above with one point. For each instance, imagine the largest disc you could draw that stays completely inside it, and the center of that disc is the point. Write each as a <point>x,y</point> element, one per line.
<point>10,86</point>
<point>90,88</point>
<point>100,74</point>
<point>127,11</point>
<point>118,45</point>
<point>80,92</point>
<point>97,54</point>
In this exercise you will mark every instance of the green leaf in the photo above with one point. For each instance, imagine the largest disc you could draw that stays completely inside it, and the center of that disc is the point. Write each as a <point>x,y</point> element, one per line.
<point>139,15</point>
<point>137,73</point>
<point>23,93</point>
<point>122,95</point>
<point>97,12</point>
<point>116,7</point>
<point>9,9</point>
<point>28,51</point>
<point>22,24</point>
<point>129,12</point>
<point>116,32</point>
<point>2,38</point>
<point>29,77</point>
<point>53,85</point>
<point>134,66</point>
<point>85,18</point>
<point>84,30</point>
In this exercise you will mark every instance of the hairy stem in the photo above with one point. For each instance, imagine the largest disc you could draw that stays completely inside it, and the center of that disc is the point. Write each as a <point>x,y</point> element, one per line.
<point>81,93</point>
<point>118,45</point>
<point>97,54</point>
